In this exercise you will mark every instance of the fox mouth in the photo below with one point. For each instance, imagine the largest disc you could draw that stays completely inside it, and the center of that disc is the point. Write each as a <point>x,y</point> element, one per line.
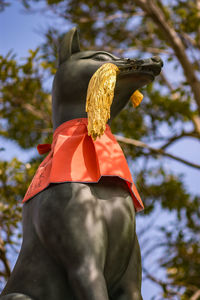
<point>150,67</point>
<point>151,70</point>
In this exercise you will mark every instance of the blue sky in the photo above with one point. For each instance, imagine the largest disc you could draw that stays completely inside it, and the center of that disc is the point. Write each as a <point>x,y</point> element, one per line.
<point>20,32</point>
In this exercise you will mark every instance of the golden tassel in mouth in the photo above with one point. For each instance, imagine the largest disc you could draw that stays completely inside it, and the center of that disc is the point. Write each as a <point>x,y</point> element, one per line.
<point>100,95</point>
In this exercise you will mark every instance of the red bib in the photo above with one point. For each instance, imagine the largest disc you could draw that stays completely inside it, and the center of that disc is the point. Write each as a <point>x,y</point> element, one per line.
<point>75,157</point>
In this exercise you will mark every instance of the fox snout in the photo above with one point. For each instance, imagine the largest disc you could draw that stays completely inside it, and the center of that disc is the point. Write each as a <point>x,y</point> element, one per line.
<point>152,66</point>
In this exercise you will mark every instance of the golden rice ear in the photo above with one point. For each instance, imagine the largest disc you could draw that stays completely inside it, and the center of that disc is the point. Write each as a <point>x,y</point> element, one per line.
<point>136,98</point>
<point>100,95</point>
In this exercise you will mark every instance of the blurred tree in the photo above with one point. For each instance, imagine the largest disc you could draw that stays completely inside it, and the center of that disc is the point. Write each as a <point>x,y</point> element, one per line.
<point>3,5</point>
<point>169,113</point>
<point>25,110</point>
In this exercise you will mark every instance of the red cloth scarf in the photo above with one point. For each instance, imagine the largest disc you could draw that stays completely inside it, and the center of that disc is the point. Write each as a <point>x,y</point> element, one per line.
<point>75,157</point>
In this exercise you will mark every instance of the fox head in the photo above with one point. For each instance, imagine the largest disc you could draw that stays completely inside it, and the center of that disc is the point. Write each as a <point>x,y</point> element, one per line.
<point>75,69</point>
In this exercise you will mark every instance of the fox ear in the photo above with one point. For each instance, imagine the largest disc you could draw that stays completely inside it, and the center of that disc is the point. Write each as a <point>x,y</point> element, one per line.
<point>69,45</point>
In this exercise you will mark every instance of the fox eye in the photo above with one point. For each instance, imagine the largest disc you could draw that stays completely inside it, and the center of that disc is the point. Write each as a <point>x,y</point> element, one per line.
<point>102,57</point>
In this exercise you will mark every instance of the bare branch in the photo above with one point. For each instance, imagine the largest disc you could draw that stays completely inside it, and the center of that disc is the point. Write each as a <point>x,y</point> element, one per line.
<point>157,15</point>
<point>163,284</point>
<point>44,130</point>
<point>35,112</point>
<point>189,39</point>
<point>166,81</point>
<point>109,18</point>
<point>158,281</point>
<point>4,259</point>
<point>196,295</point>
<point>196,121</point>
<point>198,29</point>
<point>178,137</point>
<point>148,49</point>
<point>155,150</point>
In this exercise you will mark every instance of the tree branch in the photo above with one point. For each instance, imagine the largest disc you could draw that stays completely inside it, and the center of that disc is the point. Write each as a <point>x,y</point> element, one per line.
<point>157,15</point>
<point>158,281</point>
<point>110,17</point>
<point>155,150</point>
<point>29,107</point>
<point>37,113</point>
<point>152,50</point>
<point>161,283</point>
<point>4,259</point>
<point>189,39</point>
<point>196,121</point>
<point>168,84</point>
<point>177,137</point>
<point>196,295</point>
<point>198,29</point>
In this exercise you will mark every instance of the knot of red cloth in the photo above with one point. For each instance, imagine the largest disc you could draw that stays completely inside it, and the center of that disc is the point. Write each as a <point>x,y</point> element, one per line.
<point>43,148</point>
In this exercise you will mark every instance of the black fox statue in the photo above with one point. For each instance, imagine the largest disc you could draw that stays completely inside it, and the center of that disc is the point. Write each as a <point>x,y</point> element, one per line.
<point>79,238</point>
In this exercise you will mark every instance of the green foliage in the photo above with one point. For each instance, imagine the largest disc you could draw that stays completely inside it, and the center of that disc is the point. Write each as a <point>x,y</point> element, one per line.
<point>15,177</point>
<point>187,16</point>
<point>183,259</point>
<point>23,116</point>
<point>159,186</point>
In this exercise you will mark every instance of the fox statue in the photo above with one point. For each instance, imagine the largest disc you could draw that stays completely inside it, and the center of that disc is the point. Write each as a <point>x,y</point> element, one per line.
<point>79,235</point>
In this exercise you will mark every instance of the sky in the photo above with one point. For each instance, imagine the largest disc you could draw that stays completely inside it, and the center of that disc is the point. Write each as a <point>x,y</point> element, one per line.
<point>21,32</point>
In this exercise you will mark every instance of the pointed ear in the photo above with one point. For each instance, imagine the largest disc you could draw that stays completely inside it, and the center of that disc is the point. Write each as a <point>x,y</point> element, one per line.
<point>69,45</point>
